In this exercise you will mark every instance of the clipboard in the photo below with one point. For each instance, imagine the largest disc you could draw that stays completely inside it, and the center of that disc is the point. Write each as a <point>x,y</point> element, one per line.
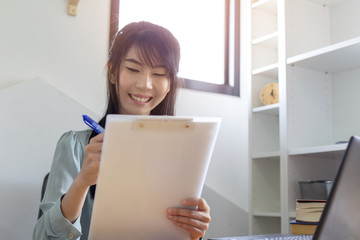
<point>148,164</point>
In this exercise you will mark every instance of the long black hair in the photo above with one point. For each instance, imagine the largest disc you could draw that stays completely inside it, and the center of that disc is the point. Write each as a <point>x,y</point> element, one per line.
<point>154,44</point>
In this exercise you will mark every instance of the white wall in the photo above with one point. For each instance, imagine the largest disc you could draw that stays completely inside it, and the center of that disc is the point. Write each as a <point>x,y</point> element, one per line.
<point>227,173</point>
<point>34,115</point>
<point>38,39</point>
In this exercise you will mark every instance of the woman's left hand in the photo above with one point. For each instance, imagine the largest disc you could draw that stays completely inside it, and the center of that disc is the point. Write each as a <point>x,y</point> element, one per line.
<point>195,221</point>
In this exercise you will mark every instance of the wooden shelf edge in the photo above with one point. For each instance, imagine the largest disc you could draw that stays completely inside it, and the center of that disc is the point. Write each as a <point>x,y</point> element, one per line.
<point>271,109</point>
<point>320,51</point>
<point>265,38</point>
<point>320,58</point>
<point>265,68</point>
<point>266,214</point>
<point>318,149</point>
<point>328,3</point>
<point>269,5</point>
<point>271,154</point>
<point>259,3</point>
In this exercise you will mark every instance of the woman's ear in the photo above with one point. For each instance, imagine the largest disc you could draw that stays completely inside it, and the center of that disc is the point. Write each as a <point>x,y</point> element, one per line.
<point>112,78</point>
<point>169,86</point>
<point>110,74</point>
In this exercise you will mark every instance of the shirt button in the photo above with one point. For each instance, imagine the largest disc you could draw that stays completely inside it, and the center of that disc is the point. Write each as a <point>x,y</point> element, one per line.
<point>71,236</point>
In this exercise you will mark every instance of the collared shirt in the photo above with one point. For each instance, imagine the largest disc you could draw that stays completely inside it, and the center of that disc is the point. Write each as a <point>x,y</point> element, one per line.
<point>66,165</point>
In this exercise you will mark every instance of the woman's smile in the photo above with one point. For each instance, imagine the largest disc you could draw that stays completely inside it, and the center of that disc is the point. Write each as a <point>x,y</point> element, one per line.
<point>140,98</point>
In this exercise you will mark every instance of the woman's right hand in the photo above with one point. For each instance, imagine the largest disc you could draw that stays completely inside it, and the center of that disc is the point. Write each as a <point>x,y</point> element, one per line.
<point>73,201</point>
<point>90,168</point>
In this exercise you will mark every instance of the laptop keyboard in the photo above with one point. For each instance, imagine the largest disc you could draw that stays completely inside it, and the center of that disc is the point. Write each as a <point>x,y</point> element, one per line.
<point>297,237</point>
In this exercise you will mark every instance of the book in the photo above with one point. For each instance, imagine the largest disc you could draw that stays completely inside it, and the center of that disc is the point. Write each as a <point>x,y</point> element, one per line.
<point>308,210</point>
<point>303,228</point>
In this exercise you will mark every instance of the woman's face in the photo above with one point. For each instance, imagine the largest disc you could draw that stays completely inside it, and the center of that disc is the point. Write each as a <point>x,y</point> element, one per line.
<point>141,88</point>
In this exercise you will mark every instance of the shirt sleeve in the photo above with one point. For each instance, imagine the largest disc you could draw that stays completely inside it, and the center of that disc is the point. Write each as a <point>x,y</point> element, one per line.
<point>65,167</point>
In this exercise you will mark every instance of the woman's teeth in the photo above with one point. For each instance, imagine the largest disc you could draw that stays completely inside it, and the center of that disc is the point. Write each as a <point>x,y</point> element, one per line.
<point>140,99</point>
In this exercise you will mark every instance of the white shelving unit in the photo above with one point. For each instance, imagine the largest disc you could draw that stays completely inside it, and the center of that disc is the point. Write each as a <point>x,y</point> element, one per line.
<point>315,59</point>
<point>265,196</point>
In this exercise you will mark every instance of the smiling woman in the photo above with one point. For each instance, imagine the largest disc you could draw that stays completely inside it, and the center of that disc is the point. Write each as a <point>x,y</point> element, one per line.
<point>208,32</point>
<point>142,80</point>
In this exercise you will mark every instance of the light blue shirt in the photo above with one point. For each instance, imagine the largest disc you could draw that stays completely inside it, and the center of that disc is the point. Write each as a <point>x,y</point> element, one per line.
<point>66,165</point>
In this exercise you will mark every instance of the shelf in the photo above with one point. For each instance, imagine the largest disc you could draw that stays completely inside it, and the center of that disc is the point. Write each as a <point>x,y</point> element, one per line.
<point>267,5</point>
<point>335,150</point>
<point>266,214</point>
<point>272,109</point>
<point>327,2</point>
<point>296,141</point>
<point>262,155</point>
<point>335,58</point>
<point>269,40</point>
<point>267,71</point>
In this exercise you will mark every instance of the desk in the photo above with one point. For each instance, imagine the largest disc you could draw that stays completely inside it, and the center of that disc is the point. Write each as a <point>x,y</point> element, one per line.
<point>254,237</point>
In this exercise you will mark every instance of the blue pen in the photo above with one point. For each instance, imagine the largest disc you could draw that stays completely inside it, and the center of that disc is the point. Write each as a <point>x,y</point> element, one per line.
<point>92,124</point>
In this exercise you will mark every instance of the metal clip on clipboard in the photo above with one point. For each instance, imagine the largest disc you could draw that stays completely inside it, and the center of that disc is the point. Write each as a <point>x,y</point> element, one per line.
<point>164,124</point>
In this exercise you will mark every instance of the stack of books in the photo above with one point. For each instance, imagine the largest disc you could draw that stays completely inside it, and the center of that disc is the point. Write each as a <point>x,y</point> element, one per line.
<point>308,214</point>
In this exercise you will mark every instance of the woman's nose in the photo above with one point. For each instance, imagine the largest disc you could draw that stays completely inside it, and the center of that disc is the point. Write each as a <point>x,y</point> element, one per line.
<point>144,81</point>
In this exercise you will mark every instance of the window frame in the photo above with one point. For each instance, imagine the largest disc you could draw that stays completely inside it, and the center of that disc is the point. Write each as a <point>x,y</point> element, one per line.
<point>224,88</point>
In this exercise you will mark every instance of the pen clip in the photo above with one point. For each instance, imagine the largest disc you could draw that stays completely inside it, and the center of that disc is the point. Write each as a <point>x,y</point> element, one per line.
<point>92,124</point>
<point>87,123</point>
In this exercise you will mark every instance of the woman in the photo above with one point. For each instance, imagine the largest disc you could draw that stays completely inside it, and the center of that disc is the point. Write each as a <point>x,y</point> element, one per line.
<point>142,80</point>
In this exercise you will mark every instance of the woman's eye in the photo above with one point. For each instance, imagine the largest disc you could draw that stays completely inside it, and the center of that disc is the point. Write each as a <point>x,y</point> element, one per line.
<point>159,74</point>
<point>132,69</point>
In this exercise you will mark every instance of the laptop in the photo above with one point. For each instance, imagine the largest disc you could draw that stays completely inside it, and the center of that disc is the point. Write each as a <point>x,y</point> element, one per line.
<point>341,217</point>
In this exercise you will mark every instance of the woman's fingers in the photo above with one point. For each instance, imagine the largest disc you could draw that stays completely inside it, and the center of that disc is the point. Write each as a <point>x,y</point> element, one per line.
<point>90,167</point>
<point>197,202</point>
<point>97,139</point>
<point>188,216</point>
<point>195,220</point>
<point>189,222</point>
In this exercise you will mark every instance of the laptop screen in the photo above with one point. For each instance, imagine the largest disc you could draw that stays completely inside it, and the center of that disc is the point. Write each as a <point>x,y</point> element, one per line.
<point>341,215</point>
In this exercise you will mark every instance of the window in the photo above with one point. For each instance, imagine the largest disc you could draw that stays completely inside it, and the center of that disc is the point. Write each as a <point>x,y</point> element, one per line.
<point>208,32</point>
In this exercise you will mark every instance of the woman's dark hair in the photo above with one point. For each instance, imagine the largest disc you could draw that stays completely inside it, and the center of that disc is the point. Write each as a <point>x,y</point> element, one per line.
<point>155,44</point>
